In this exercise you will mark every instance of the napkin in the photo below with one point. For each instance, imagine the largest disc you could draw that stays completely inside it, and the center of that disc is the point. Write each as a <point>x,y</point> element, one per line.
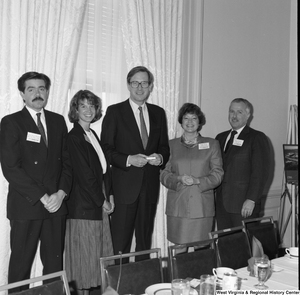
<point>257,249</point>
<point>110,291</point>
<point>250,267</point>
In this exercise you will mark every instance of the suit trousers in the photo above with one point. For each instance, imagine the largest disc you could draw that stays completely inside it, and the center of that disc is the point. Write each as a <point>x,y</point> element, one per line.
<point>24,238</point>
<point>137,217</point>
<point>228,220</point>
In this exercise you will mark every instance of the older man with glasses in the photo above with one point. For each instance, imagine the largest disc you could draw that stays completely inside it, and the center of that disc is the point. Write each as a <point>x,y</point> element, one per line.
<point>246,164</point>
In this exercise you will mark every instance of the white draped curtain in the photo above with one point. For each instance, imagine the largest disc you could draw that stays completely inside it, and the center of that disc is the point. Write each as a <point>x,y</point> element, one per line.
<point>42,36</point>
<point>113,36</point>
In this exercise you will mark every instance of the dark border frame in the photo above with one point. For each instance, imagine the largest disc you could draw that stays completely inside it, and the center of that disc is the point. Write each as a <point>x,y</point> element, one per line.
<point>290,157</point>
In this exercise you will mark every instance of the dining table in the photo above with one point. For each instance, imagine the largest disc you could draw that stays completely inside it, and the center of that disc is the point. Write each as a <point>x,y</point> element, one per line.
<point>284,275</point>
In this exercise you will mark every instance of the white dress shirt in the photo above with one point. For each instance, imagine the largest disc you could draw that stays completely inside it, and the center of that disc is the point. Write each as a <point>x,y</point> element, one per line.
<point>136,112</point>
<point>98,149</point>
<point>235,136</point>
<point>34,117</point>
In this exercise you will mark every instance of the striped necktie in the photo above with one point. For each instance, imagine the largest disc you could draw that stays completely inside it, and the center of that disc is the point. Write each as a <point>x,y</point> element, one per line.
<point>144,133</point>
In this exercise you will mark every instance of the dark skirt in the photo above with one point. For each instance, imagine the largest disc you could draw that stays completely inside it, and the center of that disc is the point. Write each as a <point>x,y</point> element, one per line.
<point>86,242</point>
<point>182,230</point>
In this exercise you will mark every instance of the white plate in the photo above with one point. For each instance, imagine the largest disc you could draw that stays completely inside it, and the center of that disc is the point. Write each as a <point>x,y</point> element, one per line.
<point>164,289</point>
<point>159,289</point>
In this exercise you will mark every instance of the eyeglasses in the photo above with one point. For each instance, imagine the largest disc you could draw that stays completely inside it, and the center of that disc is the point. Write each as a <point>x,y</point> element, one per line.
<point>136,84</point>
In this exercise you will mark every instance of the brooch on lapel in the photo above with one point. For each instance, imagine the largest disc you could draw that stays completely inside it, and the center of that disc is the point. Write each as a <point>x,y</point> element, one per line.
<point>86,138</point>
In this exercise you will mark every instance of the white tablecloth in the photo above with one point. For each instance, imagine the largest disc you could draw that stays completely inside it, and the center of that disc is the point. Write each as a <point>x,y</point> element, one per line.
<point>284,277</point>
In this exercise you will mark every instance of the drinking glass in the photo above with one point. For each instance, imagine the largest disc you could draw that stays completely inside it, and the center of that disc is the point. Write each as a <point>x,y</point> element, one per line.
<point>207,285</point>
<point>180,287</point>
<point>263,271</point>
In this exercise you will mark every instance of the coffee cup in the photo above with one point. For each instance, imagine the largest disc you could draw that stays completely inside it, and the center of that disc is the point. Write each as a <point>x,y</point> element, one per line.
<point>220,271</point>
<point>292,251</point>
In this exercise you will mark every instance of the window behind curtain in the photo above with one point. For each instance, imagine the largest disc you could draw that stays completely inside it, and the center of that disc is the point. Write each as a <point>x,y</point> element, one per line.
<point>101,66</point>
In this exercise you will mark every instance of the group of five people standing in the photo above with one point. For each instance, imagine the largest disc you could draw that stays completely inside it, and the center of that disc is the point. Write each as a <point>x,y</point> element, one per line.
<point>54,175</point>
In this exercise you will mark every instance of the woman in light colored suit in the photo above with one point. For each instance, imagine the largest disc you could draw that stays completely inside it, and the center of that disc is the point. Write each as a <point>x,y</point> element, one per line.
<point>191,174</point>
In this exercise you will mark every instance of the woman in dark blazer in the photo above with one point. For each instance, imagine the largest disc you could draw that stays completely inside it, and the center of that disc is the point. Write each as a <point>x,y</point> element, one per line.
<point>88,234</point>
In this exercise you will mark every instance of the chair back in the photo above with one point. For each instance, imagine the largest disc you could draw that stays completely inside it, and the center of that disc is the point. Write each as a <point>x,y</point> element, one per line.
<point>192,259</point>
<point>53,284</point>
<point>132,277</point>
<point>233,247</point>
<point>265,231</point>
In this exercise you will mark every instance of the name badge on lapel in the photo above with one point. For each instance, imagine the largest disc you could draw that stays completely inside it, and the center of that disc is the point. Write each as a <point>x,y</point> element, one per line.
<point>238,142</point>
<point>203,146</point>
<point>34,137</point>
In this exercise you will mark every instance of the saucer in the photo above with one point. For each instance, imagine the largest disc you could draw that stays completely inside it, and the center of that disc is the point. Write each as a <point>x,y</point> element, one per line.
<point>164,289</point>
<point>159,289</point>
<point>291,257</point>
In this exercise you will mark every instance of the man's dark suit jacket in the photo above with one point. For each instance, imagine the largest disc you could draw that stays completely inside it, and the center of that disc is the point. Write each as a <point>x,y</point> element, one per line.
<point>245,169</point>
<point>31,168</point>
<point>121,137</point>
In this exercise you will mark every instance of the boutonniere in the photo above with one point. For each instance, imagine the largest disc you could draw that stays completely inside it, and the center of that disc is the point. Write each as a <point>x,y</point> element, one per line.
<point>86,138</point>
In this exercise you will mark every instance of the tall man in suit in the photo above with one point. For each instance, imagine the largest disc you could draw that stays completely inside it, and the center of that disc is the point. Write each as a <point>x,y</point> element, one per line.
<point>135,137</point>
<point>245,164</point>
<point>35,163</point>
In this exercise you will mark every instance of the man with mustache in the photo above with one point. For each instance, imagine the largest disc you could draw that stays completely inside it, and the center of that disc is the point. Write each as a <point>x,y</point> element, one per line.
<point>245,153</point>
<point>35,163</point>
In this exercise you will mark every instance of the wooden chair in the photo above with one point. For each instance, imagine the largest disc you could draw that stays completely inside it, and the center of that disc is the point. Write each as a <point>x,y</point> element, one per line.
<point>198,258</point>
<point>57,286</point>
<point>132,277</point>
<point>233,249</point>
<point>265,231</point>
